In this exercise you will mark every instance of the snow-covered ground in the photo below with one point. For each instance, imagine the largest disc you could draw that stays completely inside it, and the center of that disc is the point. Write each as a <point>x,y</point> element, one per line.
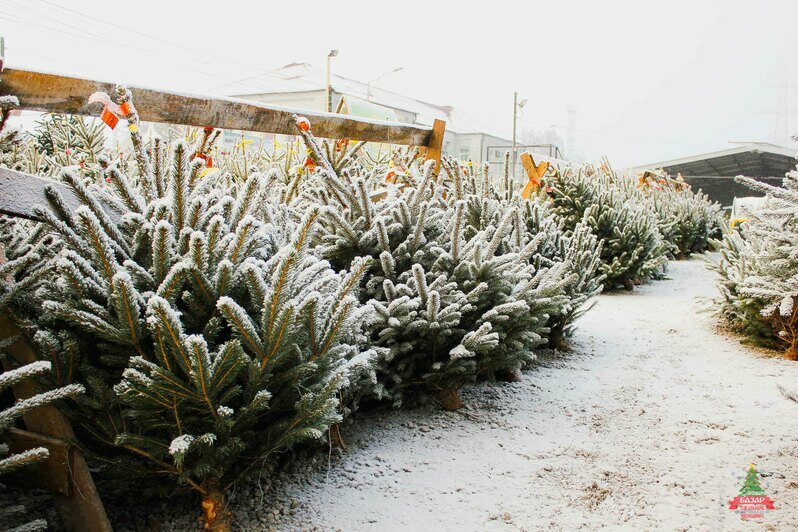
<point>649,423</point>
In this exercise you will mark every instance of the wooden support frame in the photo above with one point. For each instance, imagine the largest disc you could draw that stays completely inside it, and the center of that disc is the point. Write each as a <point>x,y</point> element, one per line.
<point>78,501</point>
<point>534,173</point>
<point>52,93</point>
<point>54,473</point>
<point>20,193</point>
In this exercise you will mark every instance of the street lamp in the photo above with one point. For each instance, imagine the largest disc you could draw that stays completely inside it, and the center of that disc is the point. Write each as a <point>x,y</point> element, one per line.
<point>327,99</point>
<point>375,80</point>
<point>516,106</point>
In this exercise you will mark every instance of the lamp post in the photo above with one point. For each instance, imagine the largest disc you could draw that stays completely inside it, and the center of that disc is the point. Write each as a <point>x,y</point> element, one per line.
<point>516,106</point>
<point>375,80</point>
<point>327,98</point>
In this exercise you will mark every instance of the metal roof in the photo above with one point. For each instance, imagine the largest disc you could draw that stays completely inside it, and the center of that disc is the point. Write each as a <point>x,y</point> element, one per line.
<point>757,159</point>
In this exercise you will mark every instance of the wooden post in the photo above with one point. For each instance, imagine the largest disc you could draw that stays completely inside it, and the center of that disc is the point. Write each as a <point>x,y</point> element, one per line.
<point>80,507</point>
<point>533,172</point>
<point>435,146</point>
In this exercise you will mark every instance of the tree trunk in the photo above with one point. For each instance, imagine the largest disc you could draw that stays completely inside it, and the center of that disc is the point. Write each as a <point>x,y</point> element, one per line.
<point>214,508</point>
<point>336,440</point>
<point>791,353</point>
<point>628,284</point>
<point>510,376</point>
<point>557,340</point>
<point>450,400</point>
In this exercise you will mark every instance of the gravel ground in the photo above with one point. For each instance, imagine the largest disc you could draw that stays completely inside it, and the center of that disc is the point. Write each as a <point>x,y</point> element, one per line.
<point>650,422</point>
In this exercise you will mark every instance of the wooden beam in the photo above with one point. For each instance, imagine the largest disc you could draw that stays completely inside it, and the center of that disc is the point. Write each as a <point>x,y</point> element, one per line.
<point>52,474</point>
<point>61,94</point>
<point>21,192</point>
<point>80,510</point>
<point>435,147</point>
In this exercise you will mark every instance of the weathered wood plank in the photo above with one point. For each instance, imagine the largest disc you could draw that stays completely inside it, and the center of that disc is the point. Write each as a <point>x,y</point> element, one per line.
<point>21,192</point>
<point>435,147</point>
<point>52,474</point>
<point>61,94</point>
<point>81,510</point>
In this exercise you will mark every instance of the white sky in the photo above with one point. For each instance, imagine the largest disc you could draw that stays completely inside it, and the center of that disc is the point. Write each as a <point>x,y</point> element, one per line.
<point>651,81</point>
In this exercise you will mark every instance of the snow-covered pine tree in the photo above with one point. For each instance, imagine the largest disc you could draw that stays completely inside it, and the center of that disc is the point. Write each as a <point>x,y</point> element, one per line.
<point>736,261</point>
<point>772,237</point>
<point>633,249</point>
<point>578,251</point>
<point>453,301</point>
<point>213,339</point>
<point>687,220</point>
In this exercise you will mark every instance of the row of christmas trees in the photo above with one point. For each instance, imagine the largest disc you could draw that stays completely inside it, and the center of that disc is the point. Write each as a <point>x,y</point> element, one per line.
<point>213,309</point>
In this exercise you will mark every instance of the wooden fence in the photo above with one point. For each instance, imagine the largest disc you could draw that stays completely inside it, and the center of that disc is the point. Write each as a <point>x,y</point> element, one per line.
<point>52,93</point>
<point>67,474</point>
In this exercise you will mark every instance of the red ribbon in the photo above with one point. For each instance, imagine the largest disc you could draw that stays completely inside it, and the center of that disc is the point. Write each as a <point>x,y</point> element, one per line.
<point>751,500</point>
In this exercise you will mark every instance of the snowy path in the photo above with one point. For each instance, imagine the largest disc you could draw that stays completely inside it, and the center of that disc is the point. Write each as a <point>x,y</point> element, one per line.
<point>650,422</point>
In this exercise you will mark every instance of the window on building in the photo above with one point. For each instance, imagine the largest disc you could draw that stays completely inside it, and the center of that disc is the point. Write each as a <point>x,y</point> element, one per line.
<point>465,153</point>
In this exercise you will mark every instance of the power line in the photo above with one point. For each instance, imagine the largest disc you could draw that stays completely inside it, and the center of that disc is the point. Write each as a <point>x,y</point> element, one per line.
<point>91,38</point>
<point>142,34</point>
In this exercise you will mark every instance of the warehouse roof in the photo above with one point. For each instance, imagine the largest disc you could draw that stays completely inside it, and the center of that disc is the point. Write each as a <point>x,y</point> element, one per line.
<point>756,159</point>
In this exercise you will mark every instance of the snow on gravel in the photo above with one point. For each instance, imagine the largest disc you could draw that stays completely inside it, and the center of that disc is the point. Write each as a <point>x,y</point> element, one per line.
<point>650,422</point>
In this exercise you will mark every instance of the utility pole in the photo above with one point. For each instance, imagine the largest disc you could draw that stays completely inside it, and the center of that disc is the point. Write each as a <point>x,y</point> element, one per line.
<point>784,112</point>
<point>2,47</point>
<point>327,92</point>
<point>516,106</point>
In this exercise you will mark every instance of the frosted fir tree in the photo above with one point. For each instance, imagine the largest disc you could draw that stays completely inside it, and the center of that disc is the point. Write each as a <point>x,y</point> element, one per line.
<point>688,221</point>
<point>210,337</point>
<point>772,231</point>
<point>453,301</point>
<point>633,248</point>
<point>576,255</point>
<point>735,262</point>
<point>17,517</point>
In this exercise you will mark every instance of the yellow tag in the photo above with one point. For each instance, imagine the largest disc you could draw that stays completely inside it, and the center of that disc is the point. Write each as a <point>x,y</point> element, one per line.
<point>207,171</point>
<point>133,128</point>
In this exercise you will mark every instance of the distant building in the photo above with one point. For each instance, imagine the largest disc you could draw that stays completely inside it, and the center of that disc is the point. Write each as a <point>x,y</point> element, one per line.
<point>714,172</point>
<point>302,86</point>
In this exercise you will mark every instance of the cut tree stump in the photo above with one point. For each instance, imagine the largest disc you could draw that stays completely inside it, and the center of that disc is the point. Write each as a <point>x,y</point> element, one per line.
<point>450,400</point>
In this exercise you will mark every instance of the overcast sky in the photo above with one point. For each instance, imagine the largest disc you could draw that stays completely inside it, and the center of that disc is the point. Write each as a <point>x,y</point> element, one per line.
<point>650,81</point>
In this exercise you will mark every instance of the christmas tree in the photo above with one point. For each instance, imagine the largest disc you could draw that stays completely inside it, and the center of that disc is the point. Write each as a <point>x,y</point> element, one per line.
<point>687,220</point>
<point>455,299</point>
<point>633,248</point>
<point>208,336</point>
<point>771,240</point>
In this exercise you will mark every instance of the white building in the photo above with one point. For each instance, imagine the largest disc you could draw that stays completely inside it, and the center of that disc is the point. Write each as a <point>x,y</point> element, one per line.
<point>302,86</point>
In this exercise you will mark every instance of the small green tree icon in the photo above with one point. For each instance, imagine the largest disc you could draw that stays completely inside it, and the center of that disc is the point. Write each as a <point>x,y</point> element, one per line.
<point>751,483</point>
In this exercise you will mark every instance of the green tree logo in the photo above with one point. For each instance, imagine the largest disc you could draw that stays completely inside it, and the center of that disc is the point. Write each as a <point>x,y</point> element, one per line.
<point>751,483</point>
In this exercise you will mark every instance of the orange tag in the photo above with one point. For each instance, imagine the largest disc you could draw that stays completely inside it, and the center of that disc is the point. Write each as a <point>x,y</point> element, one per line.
<point>109,118</point>
<point>303,123</point>
<point>125,108</point>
